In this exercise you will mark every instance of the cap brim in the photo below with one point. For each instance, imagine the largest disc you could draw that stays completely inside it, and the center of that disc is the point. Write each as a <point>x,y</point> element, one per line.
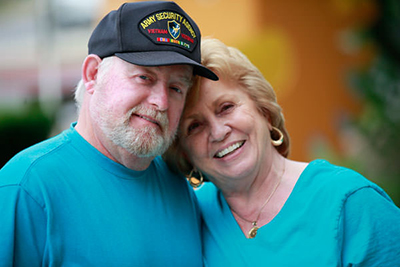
<point>164,58</point>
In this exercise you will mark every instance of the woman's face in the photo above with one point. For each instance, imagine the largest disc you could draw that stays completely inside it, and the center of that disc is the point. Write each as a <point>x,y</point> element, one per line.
<point>224,134</point>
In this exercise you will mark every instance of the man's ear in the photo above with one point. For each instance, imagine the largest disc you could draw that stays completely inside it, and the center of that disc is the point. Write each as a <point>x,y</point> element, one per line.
<point>89,71</point>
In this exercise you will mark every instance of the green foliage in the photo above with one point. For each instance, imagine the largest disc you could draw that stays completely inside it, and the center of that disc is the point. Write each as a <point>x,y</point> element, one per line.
<point>372,139</point>
<point>379,88</point>
<point>19,130</point>
<point>380,123</point>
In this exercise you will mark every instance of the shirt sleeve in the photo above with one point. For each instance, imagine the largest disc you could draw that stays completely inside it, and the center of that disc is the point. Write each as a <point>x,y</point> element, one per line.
<point>22,228</point>
<point>370,230</point>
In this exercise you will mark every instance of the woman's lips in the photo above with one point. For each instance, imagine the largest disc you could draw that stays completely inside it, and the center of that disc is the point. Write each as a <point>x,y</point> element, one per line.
<point>222,153</point>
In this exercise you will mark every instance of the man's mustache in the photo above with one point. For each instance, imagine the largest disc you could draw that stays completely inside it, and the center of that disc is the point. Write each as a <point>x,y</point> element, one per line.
<point>157,117</point>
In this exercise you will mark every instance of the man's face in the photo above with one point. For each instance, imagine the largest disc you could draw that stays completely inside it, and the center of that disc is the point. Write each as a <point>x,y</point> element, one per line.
<point>138,108</point>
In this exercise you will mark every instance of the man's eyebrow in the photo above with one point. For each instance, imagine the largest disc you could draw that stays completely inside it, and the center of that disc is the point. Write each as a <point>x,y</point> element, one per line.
<point>187,79</point>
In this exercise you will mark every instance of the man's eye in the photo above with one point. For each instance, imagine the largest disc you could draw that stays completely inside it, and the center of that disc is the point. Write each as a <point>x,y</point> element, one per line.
<point>176,89</point>
<point>144,77</point>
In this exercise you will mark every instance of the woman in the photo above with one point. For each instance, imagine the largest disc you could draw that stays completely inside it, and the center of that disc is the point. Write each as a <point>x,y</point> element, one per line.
<point>261,208</point>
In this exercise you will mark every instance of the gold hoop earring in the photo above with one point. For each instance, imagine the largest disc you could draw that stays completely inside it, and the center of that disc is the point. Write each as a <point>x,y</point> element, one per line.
<point>280,140</point>
<point>195,181</point>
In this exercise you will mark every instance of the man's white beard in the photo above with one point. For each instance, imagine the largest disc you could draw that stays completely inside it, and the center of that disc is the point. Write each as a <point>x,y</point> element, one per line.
<point>143,142</point>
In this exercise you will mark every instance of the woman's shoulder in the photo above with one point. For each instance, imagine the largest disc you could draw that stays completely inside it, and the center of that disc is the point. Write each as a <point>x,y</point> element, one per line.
<point>327,176</point>
<point>210,198</point>
<point>206,191</point>
<point>326,170</point>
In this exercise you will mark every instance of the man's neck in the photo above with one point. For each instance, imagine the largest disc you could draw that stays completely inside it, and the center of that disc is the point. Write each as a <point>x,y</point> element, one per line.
<point>109,149</point>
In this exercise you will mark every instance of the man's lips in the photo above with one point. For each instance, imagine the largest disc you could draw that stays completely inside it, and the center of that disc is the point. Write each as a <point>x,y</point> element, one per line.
<point>152,120</point>
<point>222,153</point>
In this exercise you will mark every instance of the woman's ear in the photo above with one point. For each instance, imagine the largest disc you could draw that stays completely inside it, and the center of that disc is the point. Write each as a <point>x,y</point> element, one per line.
<point>267,114</point>
<point>185,156</point>
<point>89,71</point>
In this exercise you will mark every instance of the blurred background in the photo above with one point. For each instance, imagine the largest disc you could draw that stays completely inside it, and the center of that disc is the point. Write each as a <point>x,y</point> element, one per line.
<point>335,65</point>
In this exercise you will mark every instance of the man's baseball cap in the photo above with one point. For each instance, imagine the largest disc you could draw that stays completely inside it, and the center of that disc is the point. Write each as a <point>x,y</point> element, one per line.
<point>150,34</point>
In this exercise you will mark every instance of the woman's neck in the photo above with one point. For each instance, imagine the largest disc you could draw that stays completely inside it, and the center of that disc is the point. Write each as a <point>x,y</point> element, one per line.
<point>249,203</point>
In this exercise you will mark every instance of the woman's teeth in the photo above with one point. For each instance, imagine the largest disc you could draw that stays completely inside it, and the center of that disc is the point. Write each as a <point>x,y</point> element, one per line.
<point>229,149</point>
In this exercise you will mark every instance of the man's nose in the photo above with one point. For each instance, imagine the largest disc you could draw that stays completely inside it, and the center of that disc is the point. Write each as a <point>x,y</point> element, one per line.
<point>159,97</point>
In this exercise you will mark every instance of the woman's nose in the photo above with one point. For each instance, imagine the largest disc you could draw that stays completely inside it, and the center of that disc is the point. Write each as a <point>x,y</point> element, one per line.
<point>219,130</point>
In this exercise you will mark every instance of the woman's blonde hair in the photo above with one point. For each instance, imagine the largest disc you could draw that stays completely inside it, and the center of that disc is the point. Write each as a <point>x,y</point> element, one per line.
<point>233,65</point>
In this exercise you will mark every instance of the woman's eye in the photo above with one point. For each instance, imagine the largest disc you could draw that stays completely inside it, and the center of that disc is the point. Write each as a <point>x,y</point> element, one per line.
<point>193,126</point>
<point>226,107</point>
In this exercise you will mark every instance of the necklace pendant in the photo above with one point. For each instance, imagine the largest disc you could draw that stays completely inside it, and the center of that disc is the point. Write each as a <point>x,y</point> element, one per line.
<point>253,231</point>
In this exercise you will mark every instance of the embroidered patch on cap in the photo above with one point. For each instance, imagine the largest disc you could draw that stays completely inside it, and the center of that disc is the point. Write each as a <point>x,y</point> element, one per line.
<point>169,28</point>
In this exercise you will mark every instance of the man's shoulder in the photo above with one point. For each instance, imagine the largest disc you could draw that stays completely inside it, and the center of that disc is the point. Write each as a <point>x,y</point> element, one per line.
<point>161,167</point>
<point>175,182</point>
<point>32,159</point>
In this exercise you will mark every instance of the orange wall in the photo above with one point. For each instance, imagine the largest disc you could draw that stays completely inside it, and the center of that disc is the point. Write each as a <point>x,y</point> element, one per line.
<point>297,46</point>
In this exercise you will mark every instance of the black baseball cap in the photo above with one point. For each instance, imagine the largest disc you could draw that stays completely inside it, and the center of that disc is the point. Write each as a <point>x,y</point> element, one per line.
<point>155,33</point>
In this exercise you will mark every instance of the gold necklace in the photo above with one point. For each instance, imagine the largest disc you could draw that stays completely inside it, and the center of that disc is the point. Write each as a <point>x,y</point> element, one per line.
<point>254,229</point>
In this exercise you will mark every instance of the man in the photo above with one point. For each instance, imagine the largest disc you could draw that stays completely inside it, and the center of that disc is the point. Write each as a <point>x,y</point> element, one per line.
<point>98,194</point>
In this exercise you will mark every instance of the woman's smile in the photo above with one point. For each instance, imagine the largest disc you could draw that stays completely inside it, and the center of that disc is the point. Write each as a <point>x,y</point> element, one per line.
<point>229,150</point>
<point>224,132</point>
